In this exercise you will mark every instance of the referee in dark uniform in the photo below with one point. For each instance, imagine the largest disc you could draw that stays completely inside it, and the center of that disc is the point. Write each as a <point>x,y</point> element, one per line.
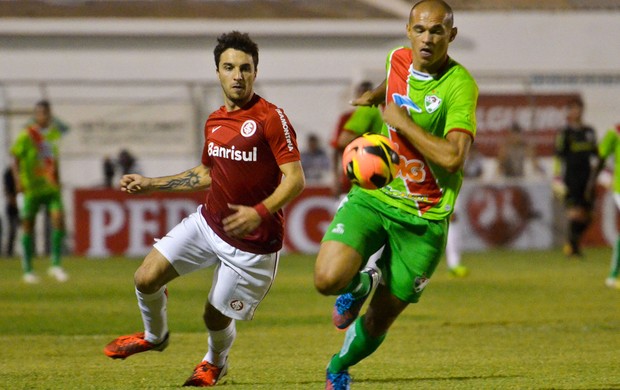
<point>576,157</point>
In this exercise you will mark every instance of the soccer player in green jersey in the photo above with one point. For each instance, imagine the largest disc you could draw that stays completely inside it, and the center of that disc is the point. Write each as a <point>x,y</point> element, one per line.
<point>35,169</point>
<point>430,115</point>
<point>610,145</point>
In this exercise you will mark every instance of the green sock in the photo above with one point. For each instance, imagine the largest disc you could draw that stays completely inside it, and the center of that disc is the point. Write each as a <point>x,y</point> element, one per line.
<point>57,239</point>
<point>27,249</point>
<point>615,260</point>
<point>357,345</point>
<point>359,285</point>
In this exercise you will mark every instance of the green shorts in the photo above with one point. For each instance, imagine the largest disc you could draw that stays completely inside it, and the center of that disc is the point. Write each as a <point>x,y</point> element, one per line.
<point>413,245</point>
<point>33,201</point>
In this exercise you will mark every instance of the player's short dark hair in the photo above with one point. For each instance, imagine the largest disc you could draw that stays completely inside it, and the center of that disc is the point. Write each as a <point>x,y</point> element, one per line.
<point>44,104</point>
<point>238,41</point>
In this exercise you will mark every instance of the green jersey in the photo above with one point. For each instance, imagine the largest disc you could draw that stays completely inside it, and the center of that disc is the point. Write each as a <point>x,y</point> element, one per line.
<point>610,144</point>
<point>365,119</point>
<point>439,104</point>
<point>36,150</point>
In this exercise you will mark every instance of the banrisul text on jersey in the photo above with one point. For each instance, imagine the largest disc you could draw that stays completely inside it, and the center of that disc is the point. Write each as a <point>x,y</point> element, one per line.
<point>232,153</point>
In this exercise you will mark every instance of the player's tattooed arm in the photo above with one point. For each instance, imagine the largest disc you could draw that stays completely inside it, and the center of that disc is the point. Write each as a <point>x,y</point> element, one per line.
<point>193,179</point>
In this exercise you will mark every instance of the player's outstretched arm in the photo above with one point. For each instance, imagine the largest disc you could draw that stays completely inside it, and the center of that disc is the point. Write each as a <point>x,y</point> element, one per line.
<point>193,179</point>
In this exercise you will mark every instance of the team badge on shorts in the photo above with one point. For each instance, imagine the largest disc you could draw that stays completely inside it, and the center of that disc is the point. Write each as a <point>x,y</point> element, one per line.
<point>236,305</point>
<point>338,229</point>
<point>419,283</point>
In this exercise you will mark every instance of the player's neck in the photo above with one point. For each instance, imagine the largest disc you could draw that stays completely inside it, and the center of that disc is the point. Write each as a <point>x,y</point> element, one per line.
<point>234,105</point>
<point>432,69</point>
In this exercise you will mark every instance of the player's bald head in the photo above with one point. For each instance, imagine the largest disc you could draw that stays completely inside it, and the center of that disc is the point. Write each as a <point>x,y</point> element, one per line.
<point>433,6</point>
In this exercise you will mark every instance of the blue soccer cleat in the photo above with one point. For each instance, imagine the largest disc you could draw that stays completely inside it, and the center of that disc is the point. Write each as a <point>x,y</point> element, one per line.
<point>338,381</point>
<point>347,308</point>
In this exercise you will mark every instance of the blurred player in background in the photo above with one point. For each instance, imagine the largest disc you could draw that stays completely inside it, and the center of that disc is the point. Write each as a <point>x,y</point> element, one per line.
<point>473,169</point>
<point>342,185</point>
<point>249,145</point>
<point>430,116</point>
<point>575,156</point>
<point>37,182</point>
<point>314,161</point>
<point>365,119</point>
<point>610,146</point>
<point>514,152</point>
<point>11,212</point>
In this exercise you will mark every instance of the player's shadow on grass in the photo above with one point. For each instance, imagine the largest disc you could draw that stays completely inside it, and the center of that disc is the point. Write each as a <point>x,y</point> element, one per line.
<point>409,380</point>
<point>385,381</point>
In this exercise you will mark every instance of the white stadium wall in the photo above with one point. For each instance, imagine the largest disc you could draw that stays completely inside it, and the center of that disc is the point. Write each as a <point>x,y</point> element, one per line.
<point>129,73</point>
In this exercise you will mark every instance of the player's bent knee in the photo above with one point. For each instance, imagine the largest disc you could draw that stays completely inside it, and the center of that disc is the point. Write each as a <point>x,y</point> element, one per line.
<point>328,283</point>
<point>214,319</point>
<point>145,281</point>
<point>148,279</point>
<point>154,272</point>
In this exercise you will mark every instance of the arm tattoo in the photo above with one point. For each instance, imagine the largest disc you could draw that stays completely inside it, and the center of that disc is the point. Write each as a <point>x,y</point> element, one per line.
<point>190,180</point>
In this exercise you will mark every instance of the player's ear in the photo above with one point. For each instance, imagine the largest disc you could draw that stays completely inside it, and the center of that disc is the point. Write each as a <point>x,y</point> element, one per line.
<point>409,28</point>
<point>453,33</point>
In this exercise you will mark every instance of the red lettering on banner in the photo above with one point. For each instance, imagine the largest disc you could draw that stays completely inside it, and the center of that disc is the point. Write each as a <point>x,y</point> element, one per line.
<point>109,222</point>
<point>540,117</point>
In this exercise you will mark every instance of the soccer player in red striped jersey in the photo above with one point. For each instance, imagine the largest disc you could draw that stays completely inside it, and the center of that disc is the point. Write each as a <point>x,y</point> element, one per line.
<point>249,146</point>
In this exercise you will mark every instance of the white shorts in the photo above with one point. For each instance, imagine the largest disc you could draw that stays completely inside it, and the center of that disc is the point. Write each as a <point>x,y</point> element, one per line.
<point>241,279</point>
<point>617,199</point>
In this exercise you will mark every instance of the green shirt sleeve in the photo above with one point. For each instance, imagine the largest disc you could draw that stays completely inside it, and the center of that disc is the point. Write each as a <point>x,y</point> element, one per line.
<point>365,119</point>
<point>462,106</point>
<point>607,146</point>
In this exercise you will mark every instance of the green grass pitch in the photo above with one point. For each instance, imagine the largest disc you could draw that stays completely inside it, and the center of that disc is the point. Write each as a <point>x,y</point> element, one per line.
<point>520,320</point>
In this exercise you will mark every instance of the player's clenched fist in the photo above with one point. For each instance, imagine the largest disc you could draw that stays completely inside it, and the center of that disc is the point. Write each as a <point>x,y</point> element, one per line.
<point>134,183</point>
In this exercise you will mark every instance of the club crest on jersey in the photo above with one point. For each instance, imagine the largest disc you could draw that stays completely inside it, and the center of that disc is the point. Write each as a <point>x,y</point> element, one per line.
<point>431,103</point>
<point>248,128</point>
<point>405,101</point>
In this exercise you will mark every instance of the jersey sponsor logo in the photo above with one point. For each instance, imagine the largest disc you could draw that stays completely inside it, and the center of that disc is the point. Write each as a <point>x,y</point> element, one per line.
<point>216,128</point>
<point>411,170</point>
<point>236,305</point>
<point>287,130</point>
<point>232,153</point>
<point>339,229</point>
<point>406,102</point>
<point>419,283</point>
<point>431,103</point>
<point>248,128</point>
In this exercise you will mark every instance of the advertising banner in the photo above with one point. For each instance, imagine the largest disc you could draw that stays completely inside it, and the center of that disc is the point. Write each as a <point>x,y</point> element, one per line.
<point>515,215</point>
<point>539,116</point>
